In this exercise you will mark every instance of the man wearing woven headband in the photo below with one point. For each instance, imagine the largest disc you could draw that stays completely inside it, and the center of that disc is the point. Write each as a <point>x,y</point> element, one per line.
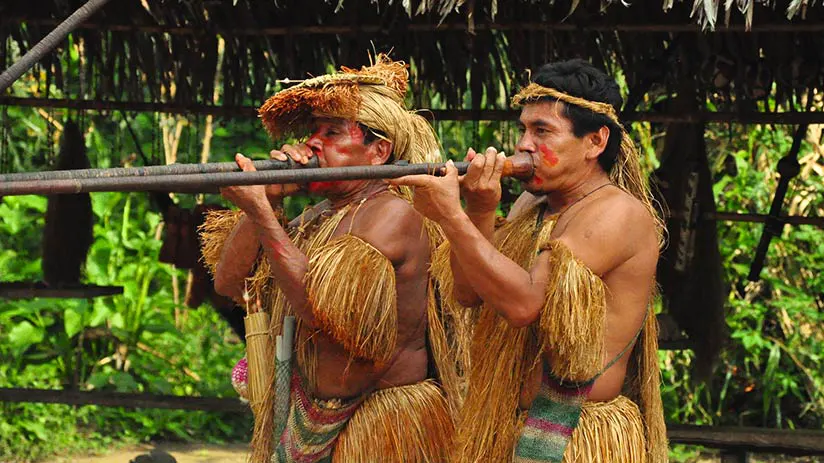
<point>563,289</point>
<point>374,377</point>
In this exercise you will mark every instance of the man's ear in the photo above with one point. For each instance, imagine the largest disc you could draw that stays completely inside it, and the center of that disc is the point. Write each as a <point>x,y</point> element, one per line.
<point>597,142</point>
<point>381,151</point>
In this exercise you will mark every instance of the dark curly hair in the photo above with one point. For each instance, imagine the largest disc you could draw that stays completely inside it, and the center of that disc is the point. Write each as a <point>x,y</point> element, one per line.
<point>579,78</point>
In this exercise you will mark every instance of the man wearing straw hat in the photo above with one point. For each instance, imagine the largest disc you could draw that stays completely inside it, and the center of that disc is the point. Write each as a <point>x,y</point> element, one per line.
<point>375,377</point>
<point>563,289</point>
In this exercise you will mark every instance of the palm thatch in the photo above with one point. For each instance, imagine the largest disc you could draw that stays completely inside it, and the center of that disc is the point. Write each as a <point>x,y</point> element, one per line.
<point>158,51</point>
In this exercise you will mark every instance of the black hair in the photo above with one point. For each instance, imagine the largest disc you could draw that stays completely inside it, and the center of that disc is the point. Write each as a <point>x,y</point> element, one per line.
<point>579,78</point>
<point>370,135</point>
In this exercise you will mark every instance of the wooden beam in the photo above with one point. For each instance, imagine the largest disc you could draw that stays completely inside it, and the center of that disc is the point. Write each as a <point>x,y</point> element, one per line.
<point>131,106</point>
<point>767,440</point>
<point>788,118</point>
<point>720,117</point>
<point>348,29</point>
<point>120,399</point>
<point>26,290</point>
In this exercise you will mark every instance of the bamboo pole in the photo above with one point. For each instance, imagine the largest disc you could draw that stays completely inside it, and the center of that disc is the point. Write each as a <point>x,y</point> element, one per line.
<point>49,42</point>
<point>519,166</point>
<point>148,171</point>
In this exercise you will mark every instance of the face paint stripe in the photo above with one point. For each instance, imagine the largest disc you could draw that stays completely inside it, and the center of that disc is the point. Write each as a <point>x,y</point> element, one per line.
<point>548,155</point>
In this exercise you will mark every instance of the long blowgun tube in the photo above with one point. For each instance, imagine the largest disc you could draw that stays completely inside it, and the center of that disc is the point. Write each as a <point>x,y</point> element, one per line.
<point>193,178</point>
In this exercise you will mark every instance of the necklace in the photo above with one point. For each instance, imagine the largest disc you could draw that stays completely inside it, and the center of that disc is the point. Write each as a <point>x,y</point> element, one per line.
<point>561,214</point>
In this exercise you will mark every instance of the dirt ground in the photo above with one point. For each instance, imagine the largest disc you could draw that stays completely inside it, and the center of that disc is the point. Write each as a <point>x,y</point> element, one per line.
<point>236,453</point>
<point>167,453</point>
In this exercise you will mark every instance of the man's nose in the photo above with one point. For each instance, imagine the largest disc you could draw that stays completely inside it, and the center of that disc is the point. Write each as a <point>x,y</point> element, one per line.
<point>314,144</point>
<point>525,145</point>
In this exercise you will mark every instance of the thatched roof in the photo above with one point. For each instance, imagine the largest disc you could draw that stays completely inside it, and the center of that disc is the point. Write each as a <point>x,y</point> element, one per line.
<point>149,50</point>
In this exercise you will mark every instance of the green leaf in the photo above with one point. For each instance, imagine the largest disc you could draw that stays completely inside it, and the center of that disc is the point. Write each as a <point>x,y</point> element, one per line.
<point>118,321</point>
<point>100,312</point>
<point>36,428</point>
<point>124,382</point>
<point>73,321</point>
<point>99,379</point>
<point>772,364</point>
<point>160,327</point>
<point>25,334</point>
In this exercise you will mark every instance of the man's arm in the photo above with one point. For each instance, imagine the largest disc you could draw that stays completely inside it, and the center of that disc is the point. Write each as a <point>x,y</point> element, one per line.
<point>481,188</point>
<point>237,260</point>
<point>512,291</point>
<point>485,223</point>
<point>463,291</point>
<point>591,236</point>
<point>517,294</point>
<point>499,282</point>
<point>288,264</point>
<point>239,254</point>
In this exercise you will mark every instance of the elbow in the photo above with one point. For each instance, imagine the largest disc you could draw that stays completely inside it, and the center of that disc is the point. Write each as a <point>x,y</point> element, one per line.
<point>520,316</point>
<point>467,299</point>
<point>228,288</point>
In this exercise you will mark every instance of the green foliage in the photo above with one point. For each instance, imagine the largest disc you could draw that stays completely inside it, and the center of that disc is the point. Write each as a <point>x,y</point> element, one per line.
<point>144,341</point>
<point>770,372</point>
<point>127,343</point>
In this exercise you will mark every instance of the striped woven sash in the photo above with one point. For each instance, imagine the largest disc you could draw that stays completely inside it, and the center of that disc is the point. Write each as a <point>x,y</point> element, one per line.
<point>555,413</point>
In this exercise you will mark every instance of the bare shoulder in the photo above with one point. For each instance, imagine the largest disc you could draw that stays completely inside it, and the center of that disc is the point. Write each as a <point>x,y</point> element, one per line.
<point>391,225</point>
<point>618,208</point>
<point>610,230</point>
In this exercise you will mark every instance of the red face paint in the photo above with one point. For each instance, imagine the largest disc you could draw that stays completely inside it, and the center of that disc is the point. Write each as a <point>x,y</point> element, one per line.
<point>336,144</point>
<point>319,187</point>
<point>537,181</point>
<point>550,158</point>
<point>355,132</point>
<point>276,246</point>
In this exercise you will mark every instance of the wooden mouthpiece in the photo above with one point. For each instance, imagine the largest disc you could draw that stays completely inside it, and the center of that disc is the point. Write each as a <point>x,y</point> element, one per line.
<point>519,166</point>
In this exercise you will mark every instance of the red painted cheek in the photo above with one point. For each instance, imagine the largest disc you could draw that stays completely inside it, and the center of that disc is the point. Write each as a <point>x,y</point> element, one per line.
<point>537,181</point>
<point>549,156</point>
<point>355,132</point>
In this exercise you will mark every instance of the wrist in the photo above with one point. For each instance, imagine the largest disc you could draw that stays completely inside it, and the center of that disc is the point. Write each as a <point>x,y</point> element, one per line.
<point>473,209</point>
<point>481,214</point>
<point>455,222</point>
<point>264,215</point>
